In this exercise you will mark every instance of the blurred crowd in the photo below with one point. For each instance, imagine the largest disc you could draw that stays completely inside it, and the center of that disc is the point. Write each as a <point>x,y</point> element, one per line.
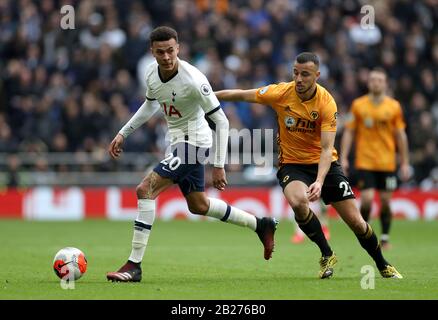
<point>71,90</point>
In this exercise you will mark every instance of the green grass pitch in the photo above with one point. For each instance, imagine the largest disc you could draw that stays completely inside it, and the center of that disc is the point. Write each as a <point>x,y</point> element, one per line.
<point>211,260</point>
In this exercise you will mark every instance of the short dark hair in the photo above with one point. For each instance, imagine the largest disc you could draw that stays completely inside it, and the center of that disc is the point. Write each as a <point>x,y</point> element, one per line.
<point>163,33</point>
<point>378,69</point>
<point>307,57</point>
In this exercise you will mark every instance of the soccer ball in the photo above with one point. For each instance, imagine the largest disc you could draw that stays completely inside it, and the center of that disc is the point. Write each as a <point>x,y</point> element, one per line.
<point>69,263</point>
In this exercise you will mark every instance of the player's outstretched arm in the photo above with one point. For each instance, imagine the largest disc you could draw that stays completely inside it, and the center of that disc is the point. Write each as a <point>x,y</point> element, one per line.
<point>237,95</point>
<point>143,114</point>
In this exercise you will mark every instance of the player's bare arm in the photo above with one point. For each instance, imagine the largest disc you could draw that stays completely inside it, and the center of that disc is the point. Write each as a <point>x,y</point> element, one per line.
<point>237,95</point>
<point>402,146</point>
<point>327,143</point>
<point>346,142</point>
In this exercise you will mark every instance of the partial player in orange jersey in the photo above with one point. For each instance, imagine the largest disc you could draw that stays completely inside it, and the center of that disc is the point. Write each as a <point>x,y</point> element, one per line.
<point>376,124</point>
<point>308,166</point>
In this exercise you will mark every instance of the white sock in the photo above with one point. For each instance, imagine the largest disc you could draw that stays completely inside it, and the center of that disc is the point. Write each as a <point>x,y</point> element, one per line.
<point>142,228</point>
<point>220,210</point>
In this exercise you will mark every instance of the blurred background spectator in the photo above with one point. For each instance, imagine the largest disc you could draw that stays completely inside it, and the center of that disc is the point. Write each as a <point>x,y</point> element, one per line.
<point>72,90</point>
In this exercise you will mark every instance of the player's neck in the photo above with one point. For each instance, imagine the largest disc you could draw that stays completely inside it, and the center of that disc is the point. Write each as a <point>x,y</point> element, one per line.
<point>167,74</point>
<point>376,98</point>
<point>309,94</point>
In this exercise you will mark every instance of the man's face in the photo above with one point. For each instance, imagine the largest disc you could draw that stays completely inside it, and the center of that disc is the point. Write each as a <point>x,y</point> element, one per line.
<point>377,82</point>
<point>165,52</point>
<point>305,75</point>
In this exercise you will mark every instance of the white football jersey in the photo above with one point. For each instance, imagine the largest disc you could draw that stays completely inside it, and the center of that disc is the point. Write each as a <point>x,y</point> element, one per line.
<point>184,99</point>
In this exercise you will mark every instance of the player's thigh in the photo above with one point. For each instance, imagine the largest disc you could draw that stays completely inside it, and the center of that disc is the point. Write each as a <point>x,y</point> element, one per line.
<point>349,212</point>
<point>296,193</point>
<point>152,185</point>
<point>336,186</point>
<point>295,181</point>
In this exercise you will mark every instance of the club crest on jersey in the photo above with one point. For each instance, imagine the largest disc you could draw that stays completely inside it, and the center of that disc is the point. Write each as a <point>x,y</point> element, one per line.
<point>335,115</point>
<point>263,90</point>
<point>314,115</point>
<point>289,121</point>
<point>205,89</point>
<point>173,95</point>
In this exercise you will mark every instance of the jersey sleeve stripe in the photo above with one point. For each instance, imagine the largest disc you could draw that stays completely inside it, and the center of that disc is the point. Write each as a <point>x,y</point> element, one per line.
<point>150,99</point>
<point>213,111</point>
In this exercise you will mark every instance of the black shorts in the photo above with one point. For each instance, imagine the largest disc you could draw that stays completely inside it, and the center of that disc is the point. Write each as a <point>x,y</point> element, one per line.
<point>185,166</point>
<point>335,188</point>
<point>380,180</point>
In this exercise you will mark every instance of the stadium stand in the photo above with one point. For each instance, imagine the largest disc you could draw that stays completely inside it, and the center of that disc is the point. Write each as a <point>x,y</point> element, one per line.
<point>65,93</point>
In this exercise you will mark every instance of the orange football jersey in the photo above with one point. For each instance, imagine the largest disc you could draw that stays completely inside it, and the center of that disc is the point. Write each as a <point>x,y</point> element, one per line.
<point>375,127</point>
<point>300,122</point>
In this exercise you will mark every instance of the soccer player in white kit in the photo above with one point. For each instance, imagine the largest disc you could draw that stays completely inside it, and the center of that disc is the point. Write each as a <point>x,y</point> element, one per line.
<point>185,97</point>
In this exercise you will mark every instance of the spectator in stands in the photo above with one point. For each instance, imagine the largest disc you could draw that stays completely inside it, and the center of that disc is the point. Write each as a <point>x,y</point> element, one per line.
<point>240,43</point>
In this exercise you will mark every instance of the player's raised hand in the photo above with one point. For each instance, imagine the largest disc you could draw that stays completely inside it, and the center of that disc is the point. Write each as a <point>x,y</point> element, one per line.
<point>314,191</point>
<point>219,178</point>
<point>115,148</point>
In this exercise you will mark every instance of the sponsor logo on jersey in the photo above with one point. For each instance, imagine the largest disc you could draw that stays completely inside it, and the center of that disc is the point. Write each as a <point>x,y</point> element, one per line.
<point>289,121</point>
<point>368,122</point>
<point>300,125</point>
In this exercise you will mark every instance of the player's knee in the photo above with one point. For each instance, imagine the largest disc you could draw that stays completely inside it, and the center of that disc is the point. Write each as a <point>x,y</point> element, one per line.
<point>200,206</point>
<point>141,191</point>
<point>144,191</point>
<point>301,208</point>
